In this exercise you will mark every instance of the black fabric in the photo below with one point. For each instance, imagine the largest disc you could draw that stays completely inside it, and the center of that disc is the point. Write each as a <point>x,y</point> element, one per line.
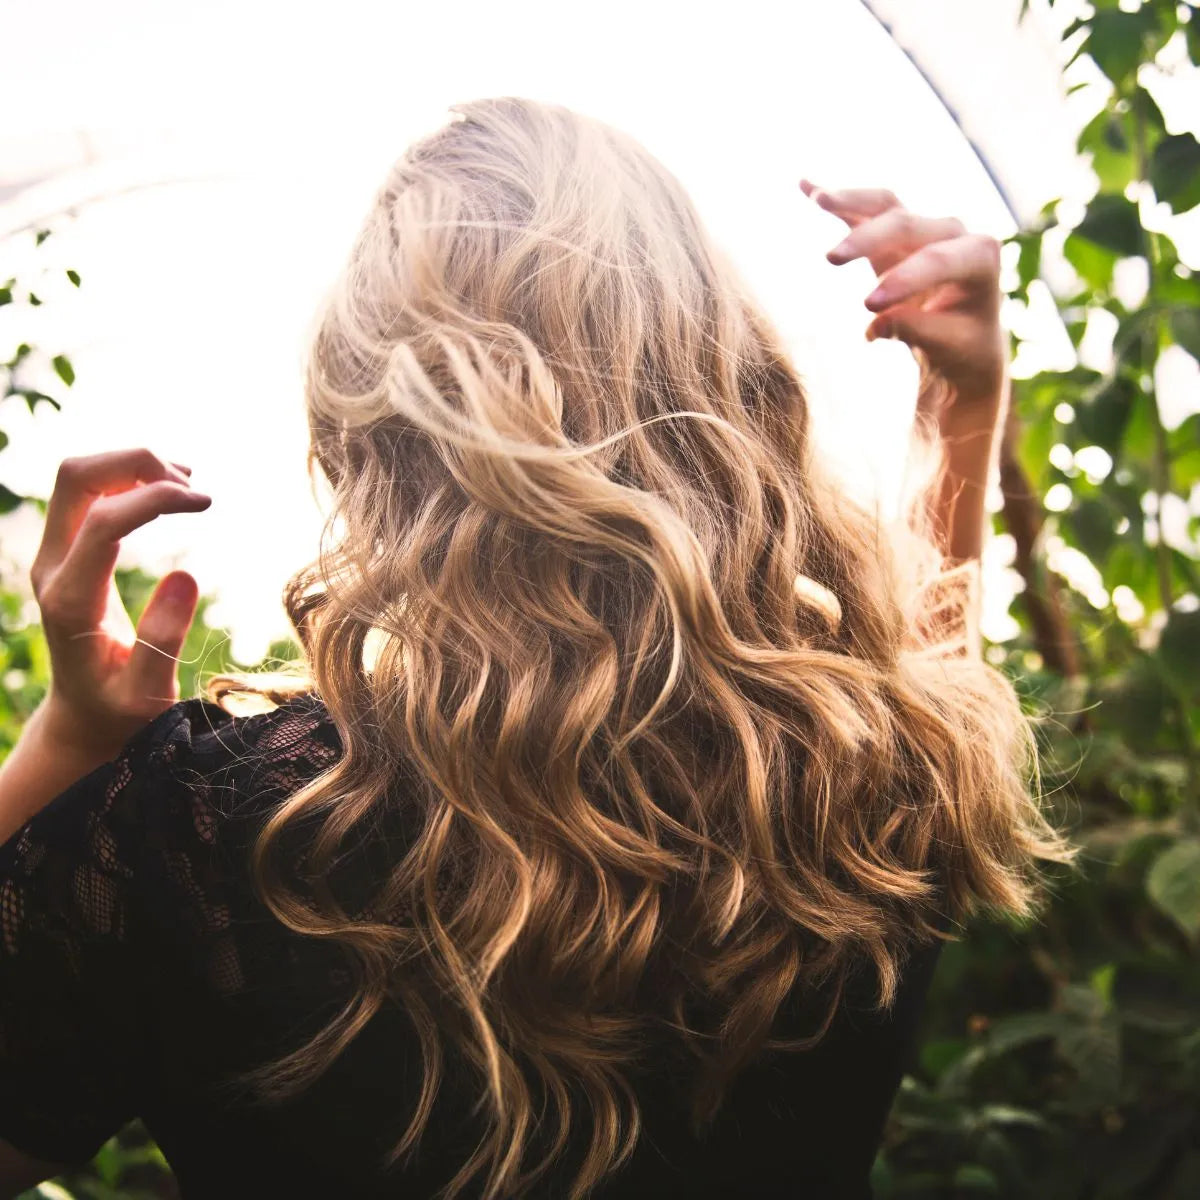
<point>139,972</point>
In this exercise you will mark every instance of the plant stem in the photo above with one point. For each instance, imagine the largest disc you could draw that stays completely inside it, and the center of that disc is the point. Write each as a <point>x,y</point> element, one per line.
<point>1023,519</point>
<point>1152,340</point>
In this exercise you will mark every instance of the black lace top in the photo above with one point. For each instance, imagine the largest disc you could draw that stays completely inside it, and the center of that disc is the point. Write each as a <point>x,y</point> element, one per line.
<point>139,972</point>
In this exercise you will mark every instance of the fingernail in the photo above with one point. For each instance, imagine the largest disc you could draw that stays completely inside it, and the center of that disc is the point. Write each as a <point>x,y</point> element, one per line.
<point>877,298</point>
<point>840,253</point>
<point>177,590</point>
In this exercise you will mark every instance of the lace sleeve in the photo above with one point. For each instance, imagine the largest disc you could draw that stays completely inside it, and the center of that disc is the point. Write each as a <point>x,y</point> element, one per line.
<point>947,617</point>
<point>69,972</point>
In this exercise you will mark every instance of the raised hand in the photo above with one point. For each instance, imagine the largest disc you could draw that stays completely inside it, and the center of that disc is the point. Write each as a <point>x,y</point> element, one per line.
<point>108,679</point>
<point>938,291</point>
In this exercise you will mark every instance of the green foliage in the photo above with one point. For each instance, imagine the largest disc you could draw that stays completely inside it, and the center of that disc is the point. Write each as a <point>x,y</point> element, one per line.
<point>128,1167</point>
<point>1062,1060</point>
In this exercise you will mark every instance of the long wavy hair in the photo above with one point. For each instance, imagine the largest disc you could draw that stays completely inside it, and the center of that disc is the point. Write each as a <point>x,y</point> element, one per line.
<point>681,731</point>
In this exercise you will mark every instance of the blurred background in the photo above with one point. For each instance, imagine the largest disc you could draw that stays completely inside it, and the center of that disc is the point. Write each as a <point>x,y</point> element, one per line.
<point>179,185</point>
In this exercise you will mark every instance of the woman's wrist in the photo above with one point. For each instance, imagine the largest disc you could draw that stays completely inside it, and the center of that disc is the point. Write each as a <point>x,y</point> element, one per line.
<point>968,439</point>
<point>52,752</point>
<point>971,423</point>
<point>73,733</point>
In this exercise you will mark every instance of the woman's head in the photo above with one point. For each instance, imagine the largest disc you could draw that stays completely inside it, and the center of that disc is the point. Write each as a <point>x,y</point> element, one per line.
<point>655,786</point>
<point>533,281</point>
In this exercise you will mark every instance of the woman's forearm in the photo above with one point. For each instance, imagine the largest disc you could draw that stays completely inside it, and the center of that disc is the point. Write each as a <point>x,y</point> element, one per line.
<point>45,761</point>
<point>958,509</point>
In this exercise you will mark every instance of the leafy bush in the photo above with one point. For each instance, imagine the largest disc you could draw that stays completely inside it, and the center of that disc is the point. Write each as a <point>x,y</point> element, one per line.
<point>1063,1060</point>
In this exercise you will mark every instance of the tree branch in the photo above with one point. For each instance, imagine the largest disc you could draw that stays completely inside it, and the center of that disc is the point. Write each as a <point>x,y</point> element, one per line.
<point>1022,516</point>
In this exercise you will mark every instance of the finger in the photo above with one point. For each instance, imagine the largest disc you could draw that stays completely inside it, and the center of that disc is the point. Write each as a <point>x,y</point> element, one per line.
<point>943,334</point>
<point>972,261</point>
<point>161,632</point>
<point>889,238</point>
<point>857,203</point>
<point>77,594</point>
<point>81,480</point>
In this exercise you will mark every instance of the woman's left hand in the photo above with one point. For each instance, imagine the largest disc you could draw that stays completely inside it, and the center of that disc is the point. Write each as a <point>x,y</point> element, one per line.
<point>108,680</point>
<point>938,291</point>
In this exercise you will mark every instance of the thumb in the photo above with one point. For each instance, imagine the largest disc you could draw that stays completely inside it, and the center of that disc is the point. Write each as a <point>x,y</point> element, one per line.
<point>153,661</point>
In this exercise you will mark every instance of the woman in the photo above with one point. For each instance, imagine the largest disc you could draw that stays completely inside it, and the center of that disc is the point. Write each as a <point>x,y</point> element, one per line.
<point>607,847</point>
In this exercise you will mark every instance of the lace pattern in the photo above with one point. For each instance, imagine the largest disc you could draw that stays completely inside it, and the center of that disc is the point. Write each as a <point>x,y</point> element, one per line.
<point>137,855</point>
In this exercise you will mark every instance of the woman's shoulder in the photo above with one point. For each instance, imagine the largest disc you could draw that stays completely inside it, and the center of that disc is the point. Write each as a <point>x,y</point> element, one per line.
<point>198,733</point>
<point>173,784</point>
<point>132,884</point>
<point>200,747</point>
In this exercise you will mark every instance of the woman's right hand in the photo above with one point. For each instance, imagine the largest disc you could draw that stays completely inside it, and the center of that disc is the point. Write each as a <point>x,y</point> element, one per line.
<point>938,291</point>
<point>108,680</point>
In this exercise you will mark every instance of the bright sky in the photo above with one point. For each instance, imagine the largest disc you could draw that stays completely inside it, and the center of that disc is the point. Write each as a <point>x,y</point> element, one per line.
<point>235,145</point>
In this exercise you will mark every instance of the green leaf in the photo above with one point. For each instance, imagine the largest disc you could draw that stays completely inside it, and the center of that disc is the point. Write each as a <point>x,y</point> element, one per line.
<point>1102,980</point>
<point>1092,263</point>
<point>1091,520</point>
<point>73,276</point>
<point>42,235</point>
<point>1009,1033</point>
<point>1093,1048</point>
<point>1112,221</point>
<point>1144,108</point>
<point>1173,883</point>
<point>107,1162</point>
<point>1105,139</point>
<point>1034,448</point>
<point>8,500</point>
<point>1029,259</point>
<point>63,368</point>
<point>1183,445</point>
<point>1132,700</point>
<point>976,1179</point>
<point>1131,332</point>
<point>938,1056</point>
<point>1185,330</point>
<point>1116,41</point>
<point>1178,286</point>
<point>1175,171</point>
<point>1007,1114</point>
<point>1074,27</point>
<point>1132,563</point>
<point>1139,437</point>
<point>1102,419</point>
<point>5,295</point>
<point>1179,650</point>
<point>33,398</point>
<point>3,439</point>
<point>34,301</point>
<point>49,1190</point>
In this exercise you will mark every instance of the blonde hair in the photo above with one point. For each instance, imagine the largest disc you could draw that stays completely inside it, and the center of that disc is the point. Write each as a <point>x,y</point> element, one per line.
<point>677,736</point>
